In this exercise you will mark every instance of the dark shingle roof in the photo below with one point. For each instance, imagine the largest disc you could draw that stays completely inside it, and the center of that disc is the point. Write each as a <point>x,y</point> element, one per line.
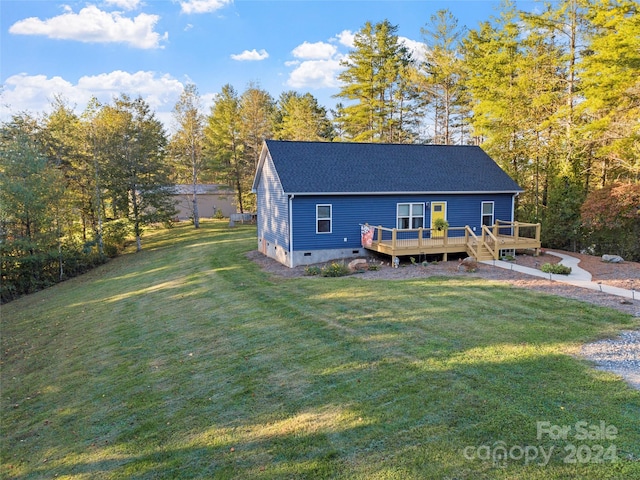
<point>323,167</point>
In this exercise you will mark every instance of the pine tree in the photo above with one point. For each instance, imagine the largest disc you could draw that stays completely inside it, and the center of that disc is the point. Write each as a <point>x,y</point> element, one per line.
<point>611,88</point>
<point>376,82</point>
<point>441,76</point>
<point>223,142</point>
<point>300,117</point>
<point>494,61</point>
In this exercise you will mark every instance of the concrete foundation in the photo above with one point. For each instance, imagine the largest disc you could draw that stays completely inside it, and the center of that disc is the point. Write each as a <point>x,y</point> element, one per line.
<point>307,257</point>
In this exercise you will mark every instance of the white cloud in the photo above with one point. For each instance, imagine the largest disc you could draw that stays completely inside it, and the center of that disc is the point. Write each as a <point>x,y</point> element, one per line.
<point>314,51</point>
<point>124,4</point>
<point>346,38</point>
<point>94,25</point>
<point>251,55</point>
<point>34,93</point>
<point>315,74</point>
<point>319,64</point>
<point>156,90</point>
<point>417,49</point>
<point>203,6</point>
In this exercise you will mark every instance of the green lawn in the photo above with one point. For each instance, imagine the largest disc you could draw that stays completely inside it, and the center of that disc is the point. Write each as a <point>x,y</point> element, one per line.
<point>187,361</point>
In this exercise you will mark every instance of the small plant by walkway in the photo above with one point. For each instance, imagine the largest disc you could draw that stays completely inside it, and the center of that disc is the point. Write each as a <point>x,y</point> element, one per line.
<point>556,268</point>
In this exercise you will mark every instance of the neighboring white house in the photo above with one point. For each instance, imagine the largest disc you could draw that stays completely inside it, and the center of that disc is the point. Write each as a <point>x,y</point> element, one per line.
<point>211,200</point>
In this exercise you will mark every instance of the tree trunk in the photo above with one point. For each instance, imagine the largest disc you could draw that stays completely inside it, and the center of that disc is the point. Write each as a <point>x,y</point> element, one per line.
<point>196,214</point>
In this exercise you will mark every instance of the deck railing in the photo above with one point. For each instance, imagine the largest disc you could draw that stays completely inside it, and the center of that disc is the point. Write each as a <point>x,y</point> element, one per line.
<point>490,241</point>
<point>520,231</point>
<point>472,242</point>
<point>418,237</point>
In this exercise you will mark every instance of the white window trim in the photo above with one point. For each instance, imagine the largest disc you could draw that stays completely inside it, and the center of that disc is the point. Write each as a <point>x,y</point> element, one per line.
<point>493,212</point>
<point>411,217</point>
<point>324,218</point>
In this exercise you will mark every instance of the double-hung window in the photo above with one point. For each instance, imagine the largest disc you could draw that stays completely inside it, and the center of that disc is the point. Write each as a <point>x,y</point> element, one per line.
<point>323,218</point>
<point>410,215</point>
<point>487,213</point>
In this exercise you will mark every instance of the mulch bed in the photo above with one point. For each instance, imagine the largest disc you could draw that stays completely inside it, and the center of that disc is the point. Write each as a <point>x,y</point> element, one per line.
<point>624,275</point>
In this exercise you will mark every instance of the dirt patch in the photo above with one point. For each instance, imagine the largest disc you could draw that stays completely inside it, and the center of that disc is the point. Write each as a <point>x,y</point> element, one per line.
<point>625,275</point>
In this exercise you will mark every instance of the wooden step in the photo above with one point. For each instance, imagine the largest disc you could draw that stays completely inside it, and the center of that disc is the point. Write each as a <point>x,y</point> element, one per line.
<point>483,253</point>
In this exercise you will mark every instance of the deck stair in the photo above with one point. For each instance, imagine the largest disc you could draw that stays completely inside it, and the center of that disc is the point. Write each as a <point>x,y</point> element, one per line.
<point>481,253</point>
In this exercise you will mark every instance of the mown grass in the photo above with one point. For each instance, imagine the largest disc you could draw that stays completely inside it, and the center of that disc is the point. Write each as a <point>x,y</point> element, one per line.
<point>187,361</point>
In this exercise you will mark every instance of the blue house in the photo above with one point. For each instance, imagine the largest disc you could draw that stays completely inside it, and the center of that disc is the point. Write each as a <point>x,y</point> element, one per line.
<point>319,201</point>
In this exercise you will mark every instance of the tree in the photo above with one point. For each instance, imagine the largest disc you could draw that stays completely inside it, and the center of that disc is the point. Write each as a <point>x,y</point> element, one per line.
<point>494,63</point>
<point>441,76</point>
<point>223,139</point>
<point>257,110</point>
<point>301,118</point>
<point>29,184</point>
<point>62,139</point>
<point>611,218</point>
<point>93,209</point>
<point>611,88</point>
<point>564,24</point>
<point>31,190</point>
<point>256,114</point>
<point>187,144</point>
<point>376,80</point>
<point>133,143</point>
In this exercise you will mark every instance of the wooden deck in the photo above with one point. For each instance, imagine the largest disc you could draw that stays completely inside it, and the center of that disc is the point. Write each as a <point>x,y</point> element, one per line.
<point>484,245</point>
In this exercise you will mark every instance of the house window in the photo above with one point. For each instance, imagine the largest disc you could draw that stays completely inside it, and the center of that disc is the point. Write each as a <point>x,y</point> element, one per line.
<point>323,218</point>
<point>410,215</point>
<point>487,213</point>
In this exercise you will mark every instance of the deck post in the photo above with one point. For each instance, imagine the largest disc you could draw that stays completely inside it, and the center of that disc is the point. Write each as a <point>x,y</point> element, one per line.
<point>379,236</point>
<point>419,237</point>
<point>394,236</point>
<point>445,237</point>
<point>516,232</point>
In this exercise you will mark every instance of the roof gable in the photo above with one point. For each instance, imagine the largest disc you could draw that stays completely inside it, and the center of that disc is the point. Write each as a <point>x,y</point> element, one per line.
<point>324,167</point>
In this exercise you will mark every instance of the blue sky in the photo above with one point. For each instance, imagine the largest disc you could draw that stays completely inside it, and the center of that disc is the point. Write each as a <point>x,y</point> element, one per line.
<point>153,48</point>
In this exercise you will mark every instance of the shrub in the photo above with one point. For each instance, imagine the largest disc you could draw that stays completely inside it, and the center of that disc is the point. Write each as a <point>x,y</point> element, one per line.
<point>556,268</point>
<point>115,234</point>
<point>312,270</point>
<point>335,270</point>
<point>23,271</point>
<point>374,267</point>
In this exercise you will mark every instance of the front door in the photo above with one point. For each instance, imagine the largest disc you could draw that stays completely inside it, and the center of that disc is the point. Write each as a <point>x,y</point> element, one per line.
<point>438,211</point>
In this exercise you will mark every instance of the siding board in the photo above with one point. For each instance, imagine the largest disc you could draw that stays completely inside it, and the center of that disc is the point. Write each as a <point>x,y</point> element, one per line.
<point>273,207</point>
<point>350,211</point>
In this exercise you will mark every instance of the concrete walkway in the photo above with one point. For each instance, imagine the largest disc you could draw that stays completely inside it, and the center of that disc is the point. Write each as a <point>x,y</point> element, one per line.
<point>578,276</point>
